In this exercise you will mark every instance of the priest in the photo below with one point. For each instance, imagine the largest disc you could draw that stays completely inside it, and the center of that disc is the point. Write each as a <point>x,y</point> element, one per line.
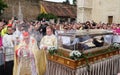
<point>49,40</point>
<point>28,59</point>
<point>8,48</point>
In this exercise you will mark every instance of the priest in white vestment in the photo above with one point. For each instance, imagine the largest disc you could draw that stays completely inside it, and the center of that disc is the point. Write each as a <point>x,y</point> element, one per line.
<point>8,45</point>
<point>49,40</point>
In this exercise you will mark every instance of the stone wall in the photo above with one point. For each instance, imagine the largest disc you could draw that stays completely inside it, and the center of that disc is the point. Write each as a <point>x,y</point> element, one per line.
<point>84,9</point>
<point>98,10</point>
<point>29,8</point>
<point>104,8</point>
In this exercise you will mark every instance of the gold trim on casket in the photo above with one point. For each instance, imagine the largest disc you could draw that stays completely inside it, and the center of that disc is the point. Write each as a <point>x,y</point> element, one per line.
<point>73,64</point>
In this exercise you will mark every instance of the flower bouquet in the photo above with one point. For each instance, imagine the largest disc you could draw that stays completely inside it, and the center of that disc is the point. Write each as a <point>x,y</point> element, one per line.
<point>116,45</point>
<point>52,50</point>
<point>75,55</point>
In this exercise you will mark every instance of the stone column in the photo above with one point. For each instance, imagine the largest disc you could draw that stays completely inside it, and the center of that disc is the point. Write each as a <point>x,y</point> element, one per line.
<point>84,9</point>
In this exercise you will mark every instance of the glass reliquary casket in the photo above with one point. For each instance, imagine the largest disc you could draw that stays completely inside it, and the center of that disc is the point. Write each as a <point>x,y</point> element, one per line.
<point>89,43</point>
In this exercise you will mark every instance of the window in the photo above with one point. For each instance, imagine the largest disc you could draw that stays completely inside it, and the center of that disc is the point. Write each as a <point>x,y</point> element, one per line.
<point>110,19</point>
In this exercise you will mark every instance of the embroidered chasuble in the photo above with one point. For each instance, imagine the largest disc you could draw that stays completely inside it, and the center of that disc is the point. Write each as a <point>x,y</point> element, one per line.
<point>29,60</point>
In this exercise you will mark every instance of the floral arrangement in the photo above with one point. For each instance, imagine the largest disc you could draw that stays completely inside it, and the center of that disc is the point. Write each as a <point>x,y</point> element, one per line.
<point>52,50</point>
<point>116,45</point>
<point>75,55</point>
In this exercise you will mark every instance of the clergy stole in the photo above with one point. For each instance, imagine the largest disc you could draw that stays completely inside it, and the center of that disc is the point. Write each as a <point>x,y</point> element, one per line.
<point>39,56</point>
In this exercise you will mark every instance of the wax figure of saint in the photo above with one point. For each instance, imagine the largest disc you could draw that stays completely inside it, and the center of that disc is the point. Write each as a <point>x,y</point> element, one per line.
<point>29,60</point>
<point>49,40</point>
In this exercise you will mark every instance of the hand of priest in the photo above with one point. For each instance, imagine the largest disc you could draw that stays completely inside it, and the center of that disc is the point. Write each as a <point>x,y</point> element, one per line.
<point>44,47</point>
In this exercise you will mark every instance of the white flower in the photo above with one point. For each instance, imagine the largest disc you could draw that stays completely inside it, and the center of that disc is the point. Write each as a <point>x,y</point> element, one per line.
<point>71,53</point>
<point>116,45</point>
<point>75,53</point>
<point>52,48</point>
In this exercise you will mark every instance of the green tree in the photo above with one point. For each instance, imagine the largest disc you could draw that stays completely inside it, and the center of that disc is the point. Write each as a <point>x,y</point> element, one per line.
<point>46,16</point>
<point>66,2</point>
<point>3,5</point>
<point>74,2</point>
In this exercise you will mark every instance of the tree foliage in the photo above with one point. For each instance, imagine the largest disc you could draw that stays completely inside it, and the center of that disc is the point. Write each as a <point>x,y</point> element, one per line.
<point>46,16</point>
<point>66,2</point>
<point>3,5</point>
<point>74,2</point>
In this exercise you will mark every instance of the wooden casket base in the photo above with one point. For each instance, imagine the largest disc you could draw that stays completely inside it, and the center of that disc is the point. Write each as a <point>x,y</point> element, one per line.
<point>66,61</point>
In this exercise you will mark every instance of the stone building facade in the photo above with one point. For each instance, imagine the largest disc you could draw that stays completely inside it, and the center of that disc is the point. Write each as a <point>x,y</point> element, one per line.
<point>105,11</point>
<point>29,9</point>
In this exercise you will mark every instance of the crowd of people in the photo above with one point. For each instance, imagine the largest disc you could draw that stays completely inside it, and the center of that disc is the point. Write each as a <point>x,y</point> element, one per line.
<point>21,41</point>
